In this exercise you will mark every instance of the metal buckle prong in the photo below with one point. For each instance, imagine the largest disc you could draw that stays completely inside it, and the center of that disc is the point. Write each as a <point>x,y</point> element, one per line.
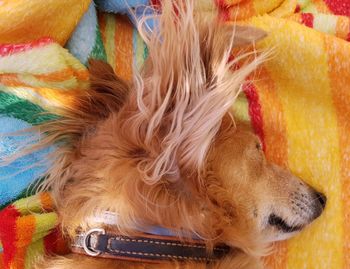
<point>86,241</point>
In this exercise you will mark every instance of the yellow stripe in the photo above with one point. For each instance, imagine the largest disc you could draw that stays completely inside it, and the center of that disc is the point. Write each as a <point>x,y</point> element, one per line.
<point>301,77</point>
<point>22,62</point>
<point>262,7</point>
<point>241,109</point>
<point>34,250</point>
<point>339,52</point>
<point>314,152</point>
<point>45,222</point>
<point>286,8</point>
<point>110,44</point>
<point>140,49</point>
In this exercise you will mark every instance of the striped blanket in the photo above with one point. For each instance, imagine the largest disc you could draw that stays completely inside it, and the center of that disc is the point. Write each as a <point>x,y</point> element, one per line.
<point>298,103</point>
<point>28,227</point>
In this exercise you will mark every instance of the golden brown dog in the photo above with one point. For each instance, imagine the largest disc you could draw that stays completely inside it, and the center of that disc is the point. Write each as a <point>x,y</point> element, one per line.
<point>164,151</point>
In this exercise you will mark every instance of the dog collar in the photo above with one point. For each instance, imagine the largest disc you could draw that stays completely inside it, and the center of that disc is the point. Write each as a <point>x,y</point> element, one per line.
<point>154,245</point>
<point>145,248</point>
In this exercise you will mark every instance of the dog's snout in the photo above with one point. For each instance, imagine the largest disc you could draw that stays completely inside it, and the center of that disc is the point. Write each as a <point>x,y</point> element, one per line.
<point>319,203</point>
<point>322,199</point>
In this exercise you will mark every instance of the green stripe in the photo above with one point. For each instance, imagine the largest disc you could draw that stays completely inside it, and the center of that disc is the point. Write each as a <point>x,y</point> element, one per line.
<point>13,106</point>
<point>145,52</point>
<point>98,52</point>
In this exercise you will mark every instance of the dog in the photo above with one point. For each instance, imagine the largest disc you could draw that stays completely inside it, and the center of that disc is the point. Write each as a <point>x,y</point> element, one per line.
<point>156,173</point>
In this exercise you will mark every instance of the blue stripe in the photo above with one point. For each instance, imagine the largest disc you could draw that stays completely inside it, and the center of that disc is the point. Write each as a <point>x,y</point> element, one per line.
<point>134,47</point>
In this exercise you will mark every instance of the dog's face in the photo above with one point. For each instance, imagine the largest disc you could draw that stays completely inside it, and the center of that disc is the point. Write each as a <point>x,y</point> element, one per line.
<point>266,198</point>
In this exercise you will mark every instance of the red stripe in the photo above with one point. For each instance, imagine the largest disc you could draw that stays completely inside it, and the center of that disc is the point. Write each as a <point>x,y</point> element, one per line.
<point>224,14</point>
<point>339,7</point>
<point>8,49</point>
<point>255,110</point>
<point>55,244</point>
<point>307,19</point>
<point>155,2</point>
<point>8,218</point>
<point>220,3</point>
<point>50,242</point>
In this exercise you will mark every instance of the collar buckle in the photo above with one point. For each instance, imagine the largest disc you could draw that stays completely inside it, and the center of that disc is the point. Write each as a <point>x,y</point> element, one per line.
<point>88,244</point>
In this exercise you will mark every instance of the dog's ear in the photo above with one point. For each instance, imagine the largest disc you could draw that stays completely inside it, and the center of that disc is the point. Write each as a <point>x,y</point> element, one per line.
<point>219,39</point>
<point>107,92</point>
<point>106,95</point>
<point>246,35</point>
<point>187,87</point>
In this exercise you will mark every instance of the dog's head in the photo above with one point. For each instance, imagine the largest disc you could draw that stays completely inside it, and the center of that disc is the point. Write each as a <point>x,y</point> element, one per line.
<point>264,197</point>
<point>163,149</point>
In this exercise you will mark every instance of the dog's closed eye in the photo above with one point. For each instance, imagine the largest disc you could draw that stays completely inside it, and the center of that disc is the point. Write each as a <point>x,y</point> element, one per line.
<point>258,146</point>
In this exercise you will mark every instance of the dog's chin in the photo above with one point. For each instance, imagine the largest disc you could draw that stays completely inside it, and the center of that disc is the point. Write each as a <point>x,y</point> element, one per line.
<point>275,236</point>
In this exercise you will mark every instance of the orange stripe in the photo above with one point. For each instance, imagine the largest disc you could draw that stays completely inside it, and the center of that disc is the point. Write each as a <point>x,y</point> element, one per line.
<point>66,98</point>
<point>63,75</point>
<point>25,227</point>
<point>124,47</point>
<point>343,27</point>
<point>81,75</point>
<point>10,80</point>
<point>273,118</point>
<point>276,145</point>
<point>339,66</point>
<point>242,11</point>
<point>277,260</point>
<point>46,201</point>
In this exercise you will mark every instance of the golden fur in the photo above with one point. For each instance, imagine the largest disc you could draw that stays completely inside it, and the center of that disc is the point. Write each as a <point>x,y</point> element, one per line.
<point>163,150</point>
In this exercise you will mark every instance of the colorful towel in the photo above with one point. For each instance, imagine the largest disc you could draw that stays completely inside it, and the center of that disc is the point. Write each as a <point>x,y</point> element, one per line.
<point>85,41</point>
<point>245,9</point>
<point>299,105</point>
<point>298,101</point>
<point>23,21</point>
<point>28,228</point>
<point>30,85</point>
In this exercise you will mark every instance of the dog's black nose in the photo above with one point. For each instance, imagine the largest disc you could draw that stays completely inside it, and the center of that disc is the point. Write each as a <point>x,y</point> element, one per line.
<point>322,199</point>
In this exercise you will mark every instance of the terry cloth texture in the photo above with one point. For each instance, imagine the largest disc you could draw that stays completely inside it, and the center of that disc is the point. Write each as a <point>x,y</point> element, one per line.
<point>298,102</point>
<point>28,227</point>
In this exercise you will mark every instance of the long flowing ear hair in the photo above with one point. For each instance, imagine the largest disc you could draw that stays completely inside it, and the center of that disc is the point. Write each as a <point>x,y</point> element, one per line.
<point>185,87</point>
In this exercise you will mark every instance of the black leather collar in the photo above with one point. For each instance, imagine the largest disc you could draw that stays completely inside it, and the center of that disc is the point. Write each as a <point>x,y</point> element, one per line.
<point>145,248</point>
